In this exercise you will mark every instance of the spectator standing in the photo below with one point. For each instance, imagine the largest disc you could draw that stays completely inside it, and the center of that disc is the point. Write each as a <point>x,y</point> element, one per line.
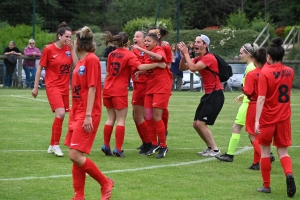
<point>29,65</point>
<point>85,116</point>
<point>212,101</point>
<point>10,62</point>
<point>273,116</point>
<point>58,59</point>
<point>176,73</point>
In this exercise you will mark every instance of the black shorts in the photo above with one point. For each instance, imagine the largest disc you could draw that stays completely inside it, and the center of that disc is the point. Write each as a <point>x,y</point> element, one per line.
<point>210,107</point>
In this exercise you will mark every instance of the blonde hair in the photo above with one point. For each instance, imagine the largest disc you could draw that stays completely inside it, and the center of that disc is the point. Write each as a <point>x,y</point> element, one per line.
<point>85,40</point>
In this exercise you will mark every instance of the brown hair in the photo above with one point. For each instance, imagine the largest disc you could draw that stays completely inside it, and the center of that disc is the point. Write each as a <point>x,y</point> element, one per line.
<point>62,28</point>
<point>85,40</point>
<point>120,40</point>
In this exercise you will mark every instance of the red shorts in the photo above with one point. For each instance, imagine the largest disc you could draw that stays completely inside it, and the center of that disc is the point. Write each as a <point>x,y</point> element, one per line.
<point>250,118</point>
<point>58,100</point>
<point>79,139</point>
<point>280,133</point>
<point>115,102</point>
<point>157,100</point>
<point>138,95</point>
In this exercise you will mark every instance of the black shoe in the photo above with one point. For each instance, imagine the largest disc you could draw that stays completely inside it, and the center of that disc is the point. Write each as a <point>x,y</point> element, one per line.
<point>272,158</point>
<point>140,147</point>
<point>225,157</point>
<point>145,148</point>
<point>264,190</point>
<point>254,166</point>
<point>162,152</point>
<point>152,149</point>
<point>290,185</point>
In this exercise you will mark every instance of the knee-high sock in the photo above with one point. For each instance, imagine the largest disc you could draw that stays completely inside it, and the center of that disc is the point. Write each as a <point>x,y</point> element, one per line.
<point>165,118</point>
<point>234,141</point>
<point>152,131</point>
<point>79,176</point>
<point>107,131</point>
<point>160,131</point>
<point>91,169</point>
<point>257,152</point>
<point>286,163</point>
<point>265,168</point>
<point>56,131</point>
<point>120,135</point>
<point>143,131</point>
<point>139,132</point>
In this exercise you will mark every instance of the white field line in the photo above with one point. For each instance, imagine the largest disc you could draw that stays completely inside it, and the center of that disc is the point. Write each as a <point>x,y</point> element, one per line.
<point>31,98</point>
<point>127,170</point>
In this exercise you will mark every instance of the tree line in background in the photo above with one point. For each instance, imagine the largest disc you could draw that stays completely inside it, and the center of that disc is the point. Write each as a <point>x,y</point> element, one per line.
<point>114,14</point>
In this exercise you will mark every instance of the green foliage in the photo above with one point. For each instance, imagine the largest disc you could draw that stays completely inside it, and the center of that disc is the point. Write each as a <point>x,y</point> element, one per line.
<point>21,34</point>
<point>287,31</point>
<point>225,42</point>
<point>3,24</point>
<point>99,43</point>
<point>259,23</point>
<point>95,29</point>
<point>144,23</point>
<point>238,21</point>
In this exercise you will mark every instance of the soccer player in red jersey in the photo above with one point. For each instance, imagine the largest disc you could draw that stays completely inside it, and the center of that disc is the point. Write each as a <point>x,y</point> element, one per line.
<point>85,116</point>
<point>273,115</point>
<point>161,33</point>
<point>158,93</point>
<point>250,89</point>
<point>58,59</point>
<point>212,102</point>
<point>139,79</point>
<point>120,64</point>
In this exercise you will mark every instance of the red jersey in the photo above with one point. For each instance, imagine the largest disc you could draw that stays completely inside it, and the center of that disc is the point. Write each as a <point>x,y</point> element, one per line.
<point>169,56</point>
<point>58,64</point>
<point>275,83</point>
<point>86,74</point>
<point>158,78</point>
<point>120,64</point>
<point>250,88</point>
<point>168,52</point>
<point>142,78</point>
<point>211,82</point>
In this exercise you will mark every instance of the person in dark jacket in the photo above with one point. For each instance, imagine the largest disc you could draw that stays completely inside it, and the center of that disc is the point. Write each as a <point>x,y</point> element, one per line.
<point>10,62</point>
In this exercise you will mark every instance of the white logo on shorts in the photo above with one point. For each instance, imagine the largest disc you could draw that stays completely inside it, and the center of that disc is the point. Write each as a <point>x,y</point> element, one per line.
<point>72,144</point>
<point>205,118</point>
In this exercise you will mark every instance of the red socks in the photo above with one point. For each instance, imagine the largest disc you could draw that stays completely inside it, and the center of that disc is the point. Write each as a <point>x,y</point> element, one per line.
<point>161,132</point>
<point>286,163</point>
<point>265,168</point>
<point>120,135</point>
<point>257,152</point>
<point>91,169</point>
<point>143,131</point>
<point>165,118</point>
<point>151,132</point>
<point>56,131</point>
<point>107,131</point>
<point>79,176</point>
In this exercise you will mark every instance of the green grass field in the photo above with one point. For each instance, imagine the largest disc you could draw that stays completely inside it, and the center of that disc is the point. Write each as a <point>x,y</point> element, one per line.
<point>27,172</point>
